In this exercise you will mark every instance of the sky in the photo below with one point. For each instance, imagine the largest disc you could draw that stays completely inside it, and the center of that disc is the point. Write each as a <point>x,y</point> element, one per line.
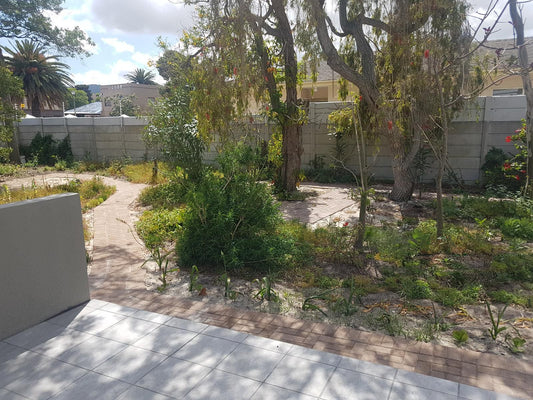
<point>126,33</point>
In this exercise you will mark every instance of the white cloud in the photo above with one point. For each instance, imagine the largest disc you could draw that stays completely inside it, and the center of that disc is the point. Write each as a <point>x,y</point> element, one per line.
<point>118,45</point>
<point>113,73</point>
<point>142,16</point>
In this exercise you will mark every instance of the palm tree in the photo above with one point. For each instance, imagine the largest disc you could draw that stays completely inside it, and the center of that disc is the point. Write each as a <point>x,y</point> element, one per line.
<point>141,76</point>
<point>44,79</point>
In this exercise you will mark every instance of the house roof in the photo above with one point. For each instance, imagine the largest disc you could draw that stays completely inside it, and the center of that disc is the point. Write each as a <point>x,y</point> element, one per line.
<point>505,48</point>
<point>92,109</point>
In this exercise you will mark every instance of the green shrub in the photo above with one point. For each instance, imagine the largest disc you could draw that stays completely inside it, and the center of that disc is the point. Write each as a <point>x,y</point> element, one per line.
<point>233,222</point>
<point>8,169</point>
<point>494,170</point>
<point>512,267</point>
<point>167,195</point>
<point>389,244</point>
<point>517,228</point>
<point>156,227</point>
<point>416,289</point>
<point>47,151</point>
<point>452,297</point>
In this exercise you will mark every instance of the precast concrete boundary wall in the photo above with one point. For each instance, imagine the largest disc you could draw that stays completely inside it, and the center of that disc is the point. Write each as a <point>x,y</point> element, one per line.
<point>43,269</point>
<point>482,125</point>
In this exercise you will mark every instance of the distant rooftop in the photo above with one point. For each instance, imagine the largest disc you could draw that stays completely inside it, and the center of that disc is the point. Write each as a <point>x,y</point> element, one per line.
<point>88,109</point>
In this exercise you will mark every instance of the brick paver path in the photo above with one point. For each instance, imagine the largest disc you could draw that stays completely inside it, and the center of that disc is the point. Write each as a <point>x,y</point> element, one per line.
<point>116,277</point>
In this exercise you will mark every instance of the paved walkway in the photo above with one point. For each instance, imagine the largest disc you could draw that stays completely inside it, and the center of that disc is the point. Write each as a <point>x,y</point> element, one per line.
<point>116,277</point>
<point>103,351</point>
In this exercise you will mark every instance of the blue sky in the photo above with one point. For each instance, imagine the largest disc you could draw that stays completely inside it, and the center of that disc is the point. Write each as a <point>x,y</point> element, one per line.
<point>126,33</point>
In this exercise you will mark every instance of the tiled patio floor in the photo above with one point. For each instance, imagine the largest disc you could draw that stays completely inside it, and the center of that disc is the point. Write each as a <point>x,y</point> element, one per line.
<point>102,351</point>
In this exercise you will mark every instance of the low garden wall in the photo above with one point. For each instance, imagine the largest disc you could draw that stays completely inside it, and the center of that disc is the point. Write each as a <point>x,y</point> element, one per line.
<point>481,126</point>
<point>43,266</point>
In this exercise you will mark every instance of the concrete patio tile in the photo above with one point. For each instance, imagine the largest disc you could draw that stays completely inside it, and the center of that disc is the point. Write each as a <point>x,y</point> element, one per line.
<point>474,393</point>
<point>186,324</point>
<point>268,344</point>
<point>128,330</point>
<point>165,340</point>
<point>9,351</point>
<point>21,364</point>
<point>45,380</point>
<point>131,364</point>
<point>93,386</point>
<point>224,333</point>
<point>411,392</point>
<point>7,395</point>
<point>345,383</point>
<point>427,382</point>
<point>151,316</point>
<point>174,377</point>
<point>61,343</point>
<point>300,375</point>
<point>206,350</point>
<point>365,367</point>
<point>64,319</point>
<point>92,352</point>
<point>93,322</point>
<point>35,335</point>
<point>137,393</point>
<point>269,392</point>
<point>251,362</point>
<point>219,385</point>
<point>95,303</point>
<point>315,355</point>
<point>118,309</point>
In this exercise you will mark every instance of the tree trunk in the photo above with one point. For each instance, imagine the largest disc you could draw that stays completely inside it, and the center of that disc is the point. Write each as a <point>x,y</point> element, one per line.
<point>291,126</point>
<point>518,25</point>
<point>403,186</point>
<point>36,107</point>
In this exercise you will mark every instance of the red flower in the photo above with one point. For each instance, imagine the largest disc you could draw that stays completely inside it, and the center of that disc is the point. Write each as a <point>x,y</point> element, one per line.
<point>523,171</point>
<point>266,78</point>
<point>216,70</point>
<point>234,70</point>
<point>207,116</point>
<point>506,166</point>
<point>345,224</point>
<point>518,131</point>
<point>426,53</point>
<point>508,139</point>
<point>267,108</point>
<point>517,177</point>
<point>360,98</point>
<point>389,124</point>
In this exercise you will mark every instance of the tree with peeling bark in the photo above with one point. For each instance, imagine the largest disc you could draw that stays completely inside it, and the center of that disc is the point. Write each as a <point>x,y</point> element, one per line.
<point>381,53</point>
<point>245,48</point>
<point>525,69</point>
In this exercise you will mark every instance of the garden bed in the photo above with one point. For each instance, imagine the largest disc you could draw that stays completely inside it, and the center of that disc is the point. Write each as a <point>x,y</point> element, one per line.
<point>437,294</point>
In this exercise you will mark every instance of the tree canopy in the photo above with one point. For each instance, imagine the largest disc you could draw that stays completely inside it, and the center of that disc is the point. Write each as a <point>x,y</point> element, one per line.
<point>141,77</point>
<point>26,19</point>
<point>45,80</point>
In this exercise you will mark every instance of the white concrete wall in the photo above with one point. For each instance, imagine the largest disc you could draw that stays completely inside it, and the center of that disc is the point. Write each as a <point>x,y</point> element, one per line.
<point>43,267</point>
<point>482,125</point>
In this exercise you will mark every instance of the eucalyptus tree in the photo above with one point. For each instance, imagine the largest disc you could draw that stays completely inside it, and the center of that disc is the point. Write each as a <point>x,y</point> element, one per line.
<point>45,80</point>
<point>525,68</point>
<point>379,48</point>
<point>244,49</point>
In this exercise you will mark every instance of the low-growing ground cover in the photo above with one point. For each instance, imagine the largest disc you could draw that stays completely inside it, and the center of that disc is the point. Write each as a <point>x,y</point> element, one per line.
<point>92,192</point>
<point>405,281</point>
